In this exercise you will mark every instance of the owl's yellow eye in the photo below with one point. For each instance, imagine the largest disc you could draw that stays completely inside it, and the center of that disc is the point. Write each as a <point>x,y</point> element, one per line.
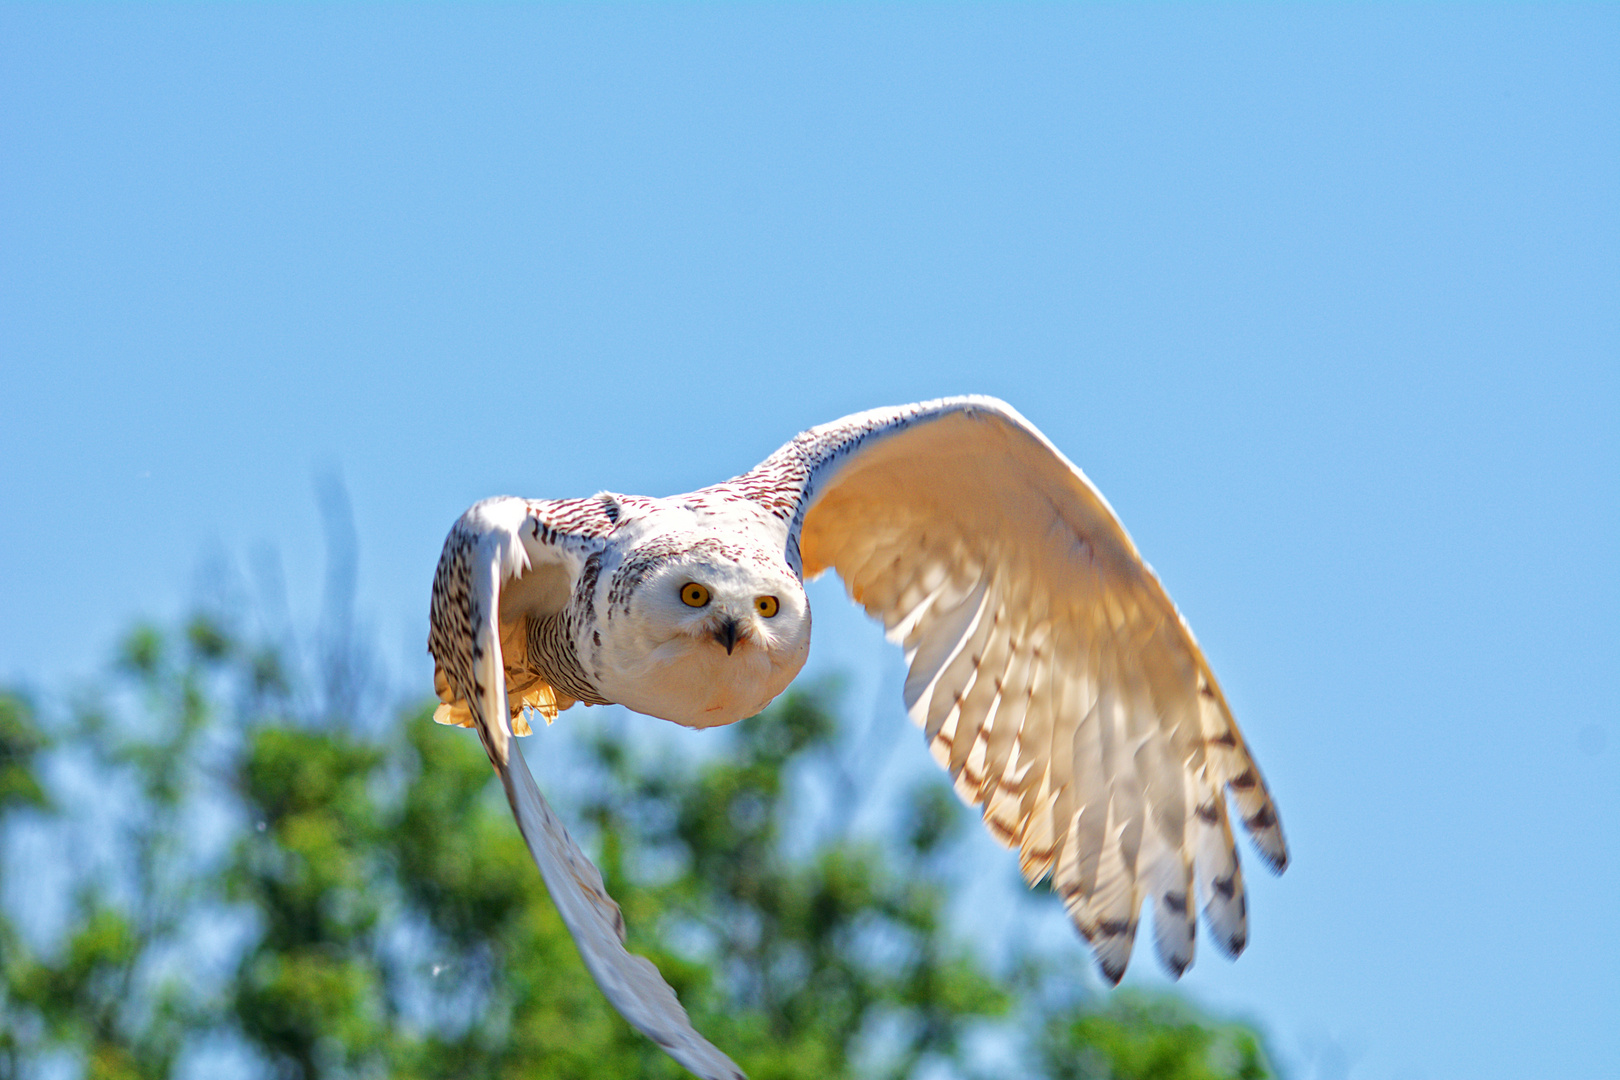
<point>694,595</point>
<point>766,606</point>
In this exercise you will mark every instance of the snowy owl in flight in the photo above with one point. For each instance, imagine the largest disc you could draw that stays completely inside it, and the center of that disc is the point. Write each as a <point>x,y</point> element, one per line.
<point>1048,668</point>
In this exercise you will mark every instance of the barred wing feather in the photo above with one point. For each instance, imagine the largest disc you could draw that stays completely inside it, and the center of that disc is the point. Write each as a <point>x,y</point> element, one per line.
<point>1048,668</point>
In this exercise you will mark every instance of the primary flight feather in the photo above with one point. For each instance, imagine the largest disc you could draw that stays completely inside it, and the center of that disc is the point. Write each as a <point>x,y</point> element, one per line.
<point>1049,670</point>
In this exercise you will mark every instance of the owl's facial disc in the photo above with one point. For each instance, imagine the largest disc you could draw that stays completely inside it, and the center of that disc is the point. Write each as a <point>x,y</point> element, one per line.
<point>730,607</point>
<point>734,598</point>
<point>712,635</point>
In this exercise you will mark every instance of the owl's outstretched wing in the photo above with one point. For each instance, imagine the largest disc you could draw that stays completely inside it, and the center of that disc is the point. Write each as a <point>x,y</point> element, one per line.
<point>505,559</point>
<point>1049,669</point>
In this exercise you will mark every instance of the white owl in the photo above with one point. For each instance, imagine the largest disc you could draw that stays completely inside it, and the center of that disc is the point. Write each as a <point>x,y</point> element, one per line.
<point>1048,668</point>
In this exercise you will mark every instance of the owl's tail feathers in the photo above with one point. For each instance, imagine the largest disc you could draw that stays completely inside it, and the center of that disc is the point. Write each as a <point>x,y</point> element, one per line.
<point>531,692</point>
<point>458,715</point>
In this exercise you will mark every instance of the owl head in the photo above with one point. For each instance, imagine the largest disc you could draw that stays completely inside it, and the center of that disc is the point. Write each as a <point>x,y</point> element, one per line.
<point>708,630</point>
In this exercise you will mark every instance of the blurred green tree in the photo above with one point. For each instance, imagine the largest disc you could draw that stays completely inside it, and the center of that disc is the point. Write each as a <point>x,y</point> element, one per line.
<point>262,886</point>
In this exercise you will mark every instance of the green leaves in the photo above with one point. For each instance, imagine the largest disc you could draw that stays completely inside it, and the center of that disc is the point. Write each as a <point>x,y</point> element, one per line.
<point>21,741</point>
<point>810,956</point>
<point>387,920</point>
<point>1149,1038</point>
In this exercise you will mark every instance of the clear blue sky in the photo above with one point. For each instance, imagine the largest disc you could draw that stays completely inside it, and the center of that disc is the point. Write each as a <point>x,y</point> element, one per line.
<point>1326,300</point>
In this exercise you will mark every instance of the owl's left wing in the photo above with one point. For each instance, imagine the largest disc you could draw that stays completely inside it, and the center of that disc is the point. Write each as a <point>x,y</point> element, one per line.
<point>631,983</point>
<point>519,553</point>
<point>1049,669</point>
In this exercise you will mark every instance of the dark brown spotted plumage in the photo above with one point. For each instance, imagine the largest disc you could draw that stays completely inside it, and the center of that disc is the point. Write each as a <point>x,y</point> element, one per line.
<point>451,639</point>
<point>552,656</point>
<point>578,525</point>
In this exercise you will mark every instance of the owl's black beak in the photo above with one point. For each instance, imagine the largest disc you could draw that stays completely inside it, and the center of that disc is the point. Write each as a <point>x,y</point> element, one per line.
<point>726,634</point>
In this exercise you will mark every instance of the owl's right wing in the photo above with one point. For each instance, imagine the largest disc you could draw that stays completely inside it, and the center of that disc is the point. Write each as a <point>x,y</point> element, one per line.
<point>506,558</point>
<point>1049,669</point>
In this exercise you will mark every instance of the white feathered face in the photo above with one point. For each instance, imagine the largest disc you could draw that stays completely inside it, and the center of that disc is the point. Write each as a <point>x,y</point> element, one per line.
<point>713,632</point>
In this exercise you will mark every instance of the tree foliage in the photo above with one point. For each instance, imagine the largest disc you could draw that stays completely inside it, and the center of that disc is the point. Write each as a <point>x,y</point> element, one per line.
<point>260,888</point>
